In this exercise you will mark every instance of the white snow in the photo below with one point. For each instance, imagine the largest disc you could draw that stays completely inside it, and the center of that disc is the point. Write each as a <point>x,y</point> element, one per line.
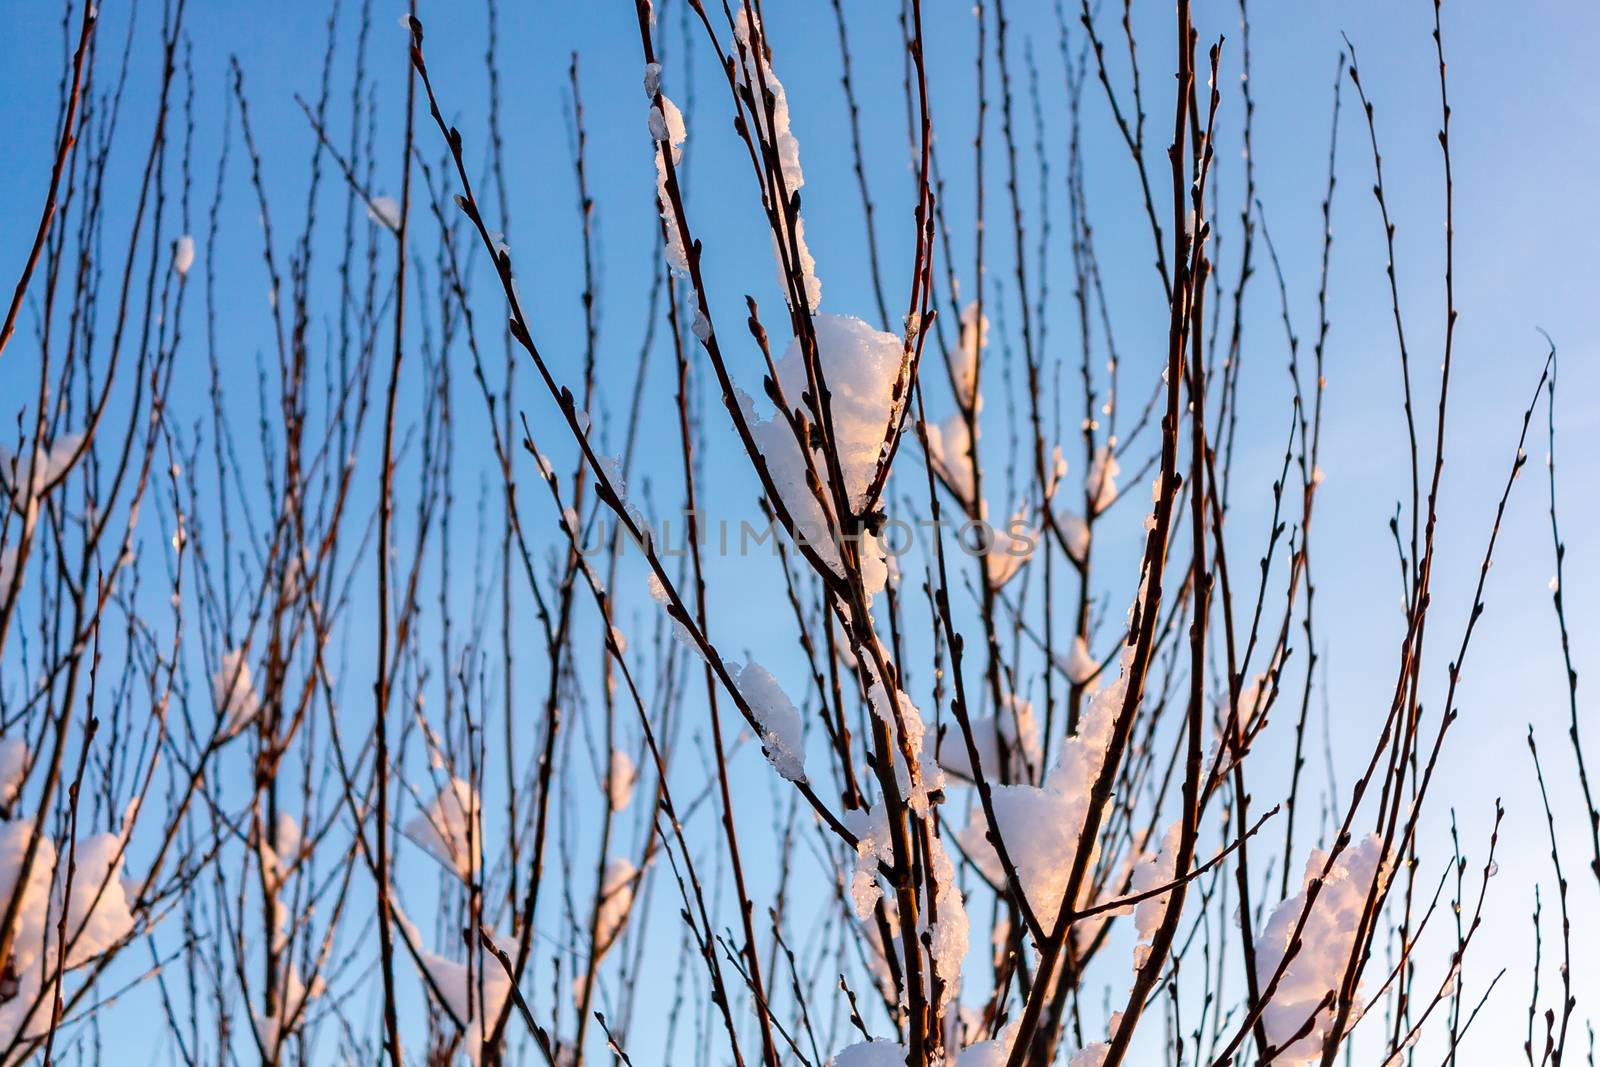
<point>1075,532</point>
<point>1154,872</point>
<point>98,917</point>
<point>620,778</point>
<point>1013,546</point>
<point>974,339</point>
<point>1091,1055</point>
<point>293,997</point>
<point>183,254</point>
<point>947,934</point>
<point>1102,478</point>
<point>13,763</point>
<point>1016,725</point>
<point>1041,825</point>
<point>385,212</point>
<point>948,447</point>
<point>234,693</point>
<point>668,132</point>
<point>753,71</point>
<point>1081,666</point>
<point>860,365</point>
<point>782,730</point>
<point>922,777</point>
<point>871,829</point>
<point>460,990</point>
<point>450,828</point>
<point>616,898</point>
<point>1326,942</point>
<point>50,464</point>
<point>871,1054</point>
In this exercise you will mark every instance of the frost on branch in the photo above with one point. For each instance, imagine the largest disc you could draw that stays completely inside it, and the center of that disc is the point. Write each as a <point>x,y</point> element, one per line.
<point>450,828</point>
<point>775,131</point>
<point>860,365</point>
<point>1326,942</point>
<point>782,732</point>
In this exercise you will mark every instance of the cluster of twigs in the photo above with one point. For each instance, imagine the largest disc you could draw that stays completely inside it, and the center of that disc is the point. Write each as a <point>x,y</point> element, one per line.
<point>193,594</point>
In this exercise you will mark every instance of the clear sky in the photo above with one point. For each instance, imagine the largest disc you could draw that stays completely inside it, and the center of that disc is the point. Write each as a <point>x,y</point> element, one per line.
<point>1526,152</point>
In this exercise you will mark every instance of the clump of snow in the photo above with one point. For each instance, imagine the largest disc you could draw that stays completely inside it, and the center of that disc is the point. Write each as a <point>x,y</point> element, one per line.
<point>183,254</point>
<point>450,828</point>
<point>915,781</point>
<point>98,915</point>
<point>755,72</point>
<point>1080,667</point>
<point>1012,547</point>
<point>860,365</point>
<point>616,898</point>
<point>974,338</point>
<point>291,1005</point>
<point>1015,725</point>
<point>668,132</point>
<point>871,1054</point>
<point>1041,825</point>
<point>1326,942</point>
<point>1153,873</point>
<point>620,778</point>
<point>98,918</point>
<point>1075,533</point>
<point>947,934</point>
<point>13,765</point>
<point>782,731</point>
<point>949,444</point>
<point>458,986</point>
<point>658,593</point>
<point>234,693</point>
<point>385,212</point>
<point>1091,1055</point>
<point>1102,478</point>
<point>991,1053</point>
<point>871,830</point>
<point>48,466</point>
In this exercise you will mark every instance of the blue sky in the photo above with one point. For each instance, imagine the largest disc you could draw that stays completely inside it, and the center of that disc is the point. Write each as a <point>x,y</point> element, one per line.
<point>1525,153</point>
